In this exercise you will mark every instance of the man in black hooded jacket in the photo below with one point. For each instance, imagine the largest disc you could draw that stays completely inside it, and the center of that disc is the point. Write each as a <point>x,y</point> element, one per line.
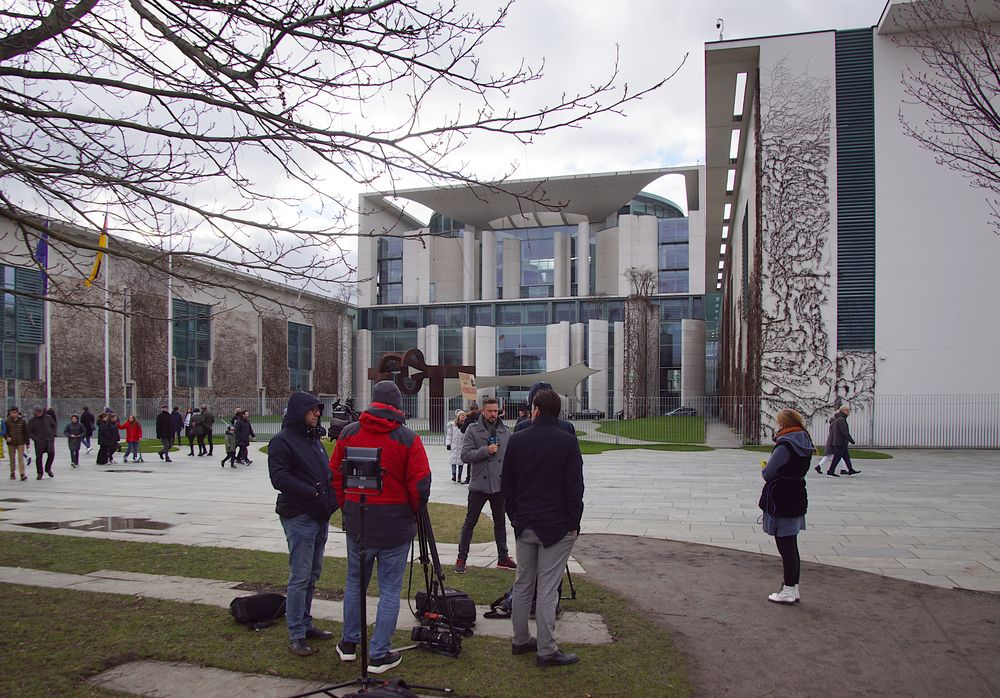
<point>300,472</point>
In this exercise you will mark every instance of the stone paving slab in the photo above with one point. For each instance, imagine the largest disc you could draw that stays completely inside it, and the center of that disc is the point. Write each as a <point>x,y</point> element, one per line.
<point>583,628</point>
<point>176,680</point>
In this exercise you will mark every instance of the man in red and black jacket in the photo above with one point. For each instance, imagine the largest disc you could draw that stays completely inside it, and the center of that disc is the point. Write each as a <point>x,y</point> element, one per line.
<point>390,519</point>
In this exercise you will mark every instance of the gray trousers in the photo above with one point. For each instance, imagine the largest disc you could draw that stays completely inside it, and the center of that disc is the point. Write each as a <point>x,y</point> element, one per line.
<point>543,566</point>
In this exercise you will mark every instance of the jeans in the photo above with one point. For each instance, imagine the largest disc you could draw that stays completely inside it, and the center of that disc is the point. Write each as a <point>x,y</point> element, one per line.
<point>536,563</point>
<point>306,542</point>
<point>133,448</point>
<point>391,566</point>
<point>477,500</point>
<point>86,439</point>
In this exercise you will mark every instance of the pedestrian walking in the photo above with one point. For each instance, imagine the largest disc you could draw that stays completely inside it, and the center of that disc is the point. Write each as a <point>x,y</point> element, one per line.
<point>74,432</point>
<point>840,437</point>
<point>133,437</point>
<point>471,417</point>
<point>42,431</point>
<point>17,441</point>
<point>198,430</point>
<point>208,423</point>
<point>177,419</point>
<point>827,458</point>
<point>187,430</point>
<point>453,442</point>
<point>165,432</point>
<point>230,447</point>
<point>88,420</point>
<point>244,433</point>
<point>783,498</point>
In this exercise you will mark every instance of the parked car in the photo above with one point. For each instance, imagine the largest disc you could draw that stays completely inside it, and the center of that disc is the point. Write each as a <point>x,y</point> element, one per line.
<point>586,414</point>
<point>682,412</point>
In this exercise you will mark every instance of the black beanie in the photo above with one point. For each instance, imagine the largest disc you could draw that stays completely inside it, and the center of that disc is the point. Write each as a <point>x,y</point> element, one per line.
<point>387,393</point>
<point>534,389</point>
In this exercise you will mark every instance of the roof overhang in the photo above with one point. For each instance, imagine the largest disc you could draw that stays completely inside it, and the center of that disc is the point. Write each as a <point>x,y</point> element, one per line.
<point>897,17</point>
<point>723,62</point>
<point>549,201</point>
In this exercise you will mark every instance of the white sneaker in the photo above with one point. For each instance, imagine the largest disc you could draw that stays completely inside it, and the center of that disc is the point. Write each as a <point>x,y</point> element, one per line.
<point>786,595</point>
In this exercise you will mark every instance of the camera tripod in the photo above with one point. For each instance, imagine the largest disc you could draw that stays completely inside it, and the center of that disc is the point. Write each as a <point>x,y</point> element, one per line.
<point>362,476</point>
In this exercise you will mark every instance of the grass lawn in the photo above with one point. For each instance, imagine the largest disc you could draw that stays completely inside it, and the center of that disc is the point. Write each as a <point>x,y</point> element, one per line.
<point>689,430</point>
<point>588,447</point>
<point>53,639</point>
<point>855,452</point>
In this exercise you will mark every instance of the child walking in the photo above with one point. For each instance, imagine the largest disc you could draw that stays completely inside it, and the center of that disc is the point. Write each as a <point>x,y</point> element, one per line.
<point>133,435</point>
<point>75,433</point>
<point>230,448</point>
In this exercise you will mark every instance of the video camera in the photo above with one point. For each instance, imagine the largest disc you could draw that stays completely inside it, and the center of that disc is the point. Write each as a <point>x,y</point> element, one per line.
<point>362,468</point>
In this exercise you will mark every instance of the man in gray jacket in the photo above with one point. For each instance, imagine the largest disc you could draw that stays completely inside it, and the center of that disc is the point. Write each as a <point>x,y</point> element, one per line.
<point>483,449</point>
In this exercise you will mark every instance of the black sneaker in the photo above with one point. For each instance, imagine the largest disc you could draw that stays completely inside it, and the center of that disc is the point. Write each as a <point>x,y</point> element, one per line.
<point>850,473</point>
<point>819,470</point>
<point>378,665</point>
<point>529,646</point>
<point>314,633</point>
<point>347,651</point>
<point>832,475</point>
<point>558,659</point>
<point>300,647</point>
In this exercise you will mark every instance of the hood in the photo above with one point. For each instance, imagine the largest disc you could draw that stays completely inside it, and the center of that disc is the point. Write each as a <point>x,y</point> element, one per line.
<point>799,441</point>
<point>381,418</point>
<point>298,405</point>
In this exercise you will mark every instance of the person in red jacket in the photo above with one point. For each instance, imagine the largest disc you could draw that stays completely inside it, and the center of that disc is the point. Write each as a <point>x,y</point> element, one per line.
<point>390,520</point>
<point>133,435</point>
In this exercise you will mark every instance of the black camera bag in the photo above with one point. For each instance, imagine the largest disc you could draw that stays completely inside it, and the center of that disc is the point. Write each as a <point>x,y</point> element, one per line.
<point>454,605</point>
<point>259,610</point>
<point>393,688</point>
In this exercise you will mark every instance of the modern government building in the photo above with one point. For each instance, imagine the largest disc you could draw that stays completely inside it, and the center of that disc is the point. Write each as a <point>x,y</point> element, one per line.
<point>819,256</point>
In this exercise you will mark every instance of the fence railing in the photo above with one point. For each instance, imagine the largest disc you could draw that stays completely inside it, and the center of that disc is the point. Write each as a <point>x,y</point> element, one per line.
<point>887,421</point>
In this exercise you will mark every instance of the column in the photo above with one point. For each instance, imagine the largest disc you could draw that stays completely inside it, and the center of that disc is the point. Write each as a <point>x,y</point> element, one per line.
<point>469,264</point>
<point>578,354</point>
<point>583,259</point>
<point>488,277</point>
<point>431,354</point>
<point>692,361</point>
<point>423,393</point>
<point>346,372</point>
<point>511,268</point>
<point>486,356</point>
<point>367,270</point>
<point>417,270</point>
<point>561,249</point>
<point>362,362</point>
<point>598,350</point>
<point>619,359</point>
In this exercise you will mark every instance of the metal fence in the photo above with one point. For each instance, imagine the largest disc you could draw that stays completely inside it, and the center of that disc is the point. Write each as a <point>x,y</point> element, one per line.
<point>892,421</point>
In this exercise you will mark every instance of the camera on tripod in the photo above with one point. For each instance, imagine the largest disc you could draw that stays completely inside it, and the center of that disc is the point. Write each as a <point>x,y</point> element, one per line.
<point>362,469</point>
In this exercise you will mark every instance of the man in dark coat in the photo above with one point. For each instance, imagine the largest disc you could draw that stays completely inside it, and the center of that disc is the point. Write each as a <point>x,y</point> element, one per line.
<point>525,422</point>
<point>389,523</point>
<point>87,420</point>
<point>244,432</point>
<point>300,472</point>
<point>42,430</point>
<point>208,421</point>
<point>840,436</point>
<point>543,491</point>
<point>177,420</point>
<point>165,432</point>
<point>198,431</point>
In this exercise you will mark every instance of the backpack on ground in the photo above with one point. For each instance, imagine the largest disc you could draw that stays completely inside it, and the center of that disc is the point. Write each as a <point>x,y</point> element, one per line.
<point>501,607</point>
<point>259,610</point>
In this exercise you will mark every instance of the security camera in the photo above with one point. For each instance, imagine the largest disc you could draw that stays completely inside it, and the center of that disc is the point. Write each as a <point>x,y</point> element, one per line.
<point>718,25</point>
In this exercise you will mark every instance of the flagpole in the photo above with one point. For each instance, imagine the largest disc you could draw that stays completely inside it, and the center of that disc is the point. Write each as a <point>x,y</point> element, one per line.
<point>107,321</point>
<point>48,329</point>
<point>170,329</point>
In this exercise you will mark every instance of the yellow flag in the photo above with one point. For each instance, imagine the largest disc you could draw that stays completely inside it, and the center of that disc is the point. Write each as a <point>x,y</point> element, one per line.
<point>102,243</point>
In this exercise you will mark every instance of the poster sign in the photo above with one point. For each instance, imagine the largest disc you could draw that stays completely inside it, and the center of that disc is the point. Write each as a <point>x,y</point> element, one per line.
<point>468,383</point>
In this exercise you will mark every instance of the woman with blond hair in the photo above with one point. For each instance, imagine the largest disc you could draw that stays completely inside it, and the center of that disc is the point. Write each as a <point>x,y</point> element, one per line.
<point>783,499</point>
<point>453,442</point>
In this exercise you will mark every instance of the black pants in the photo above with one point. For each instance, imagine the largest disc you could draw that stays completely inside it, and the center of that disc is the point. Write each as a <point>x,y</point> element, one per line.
<point>208,435</point>
<point>477,500</point>
<point>230,456</point>
<point>841,453</point>
<point>43,448</point>
<point>74,451</point>
<point>241,454</point>
<point>788,548</point>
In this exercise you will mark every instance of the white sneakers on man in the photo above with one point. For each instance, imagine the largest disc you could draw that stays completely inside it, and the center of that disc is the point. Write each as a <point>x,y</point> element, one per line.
<point>786,595</point>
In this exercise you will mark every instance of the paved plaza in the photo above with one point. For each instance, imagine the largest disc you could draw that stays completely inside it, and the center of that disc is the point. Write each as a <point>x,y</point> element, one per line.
<point>924,516</point>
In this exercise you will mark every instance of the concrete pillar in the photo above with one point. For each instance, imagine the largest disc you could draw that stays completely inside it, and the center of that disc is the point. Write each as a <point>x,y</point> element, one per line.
<point>469,264</point>
<point>347,357</point>
<point>511,268</point>
<point>367,270</point>
<point>598,350</point>
<point>557,346</point>
<point>362,362</point>
<point>561,281</point>
<point>692,361</point>
<point>431,354</point>
<point>619,359</point>
<point>422,395</point>
<point>468,346</point>
<point>488,277</point>
<point>577,353</point>
<point>583,259</point>
<point>416,270</point>
<point>486,356</point>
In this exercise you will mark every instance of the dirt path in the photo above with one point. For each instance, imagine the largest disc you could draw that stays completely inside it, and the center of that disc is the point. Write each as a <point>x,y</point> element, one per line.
<point>854,633</point>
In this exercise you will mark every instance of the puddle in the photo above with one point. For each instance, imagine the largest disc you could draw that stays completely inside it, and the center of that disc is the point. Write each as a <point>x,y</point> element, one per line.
<point>107,523</point>
<point>123,470</point>
<point>14,500</point>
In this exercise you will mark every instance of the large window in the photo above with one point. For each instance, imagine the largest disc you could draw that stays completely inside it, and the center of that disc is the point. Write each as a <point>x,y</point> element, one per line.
<point>673,255</point>
<point>390,270</point>
<point>192,343</point>
<point>22,324</point>
<point>520,350</point>
<point>538,259</point>
<point>300,353</point>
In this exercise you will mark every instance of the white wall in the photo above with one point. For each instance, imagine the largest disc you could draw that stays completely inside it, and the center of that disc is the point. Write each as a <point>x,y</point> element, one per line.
<point>936,259</point>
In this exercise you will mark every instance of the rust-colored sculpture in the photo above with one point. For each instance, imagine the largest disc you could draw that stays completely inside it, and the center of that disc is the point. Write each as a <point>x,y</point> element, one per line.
<point>397,368</point>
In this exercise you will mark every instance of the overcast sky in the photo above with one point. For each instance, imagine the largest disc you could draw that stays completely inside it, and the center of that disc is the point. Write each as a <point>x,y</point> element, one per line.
<point>577,38</point>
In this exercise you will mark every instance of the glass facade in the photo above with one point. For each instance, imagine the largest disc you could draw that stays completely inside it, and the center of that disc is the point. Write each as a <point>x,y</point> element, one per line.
<point>300,351</point>
<point>672,267</point>
<point>520,350</point>
<point>22,324</point>
<point>538,259</point>
<point>192,343</point>
<point>390,270</point>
